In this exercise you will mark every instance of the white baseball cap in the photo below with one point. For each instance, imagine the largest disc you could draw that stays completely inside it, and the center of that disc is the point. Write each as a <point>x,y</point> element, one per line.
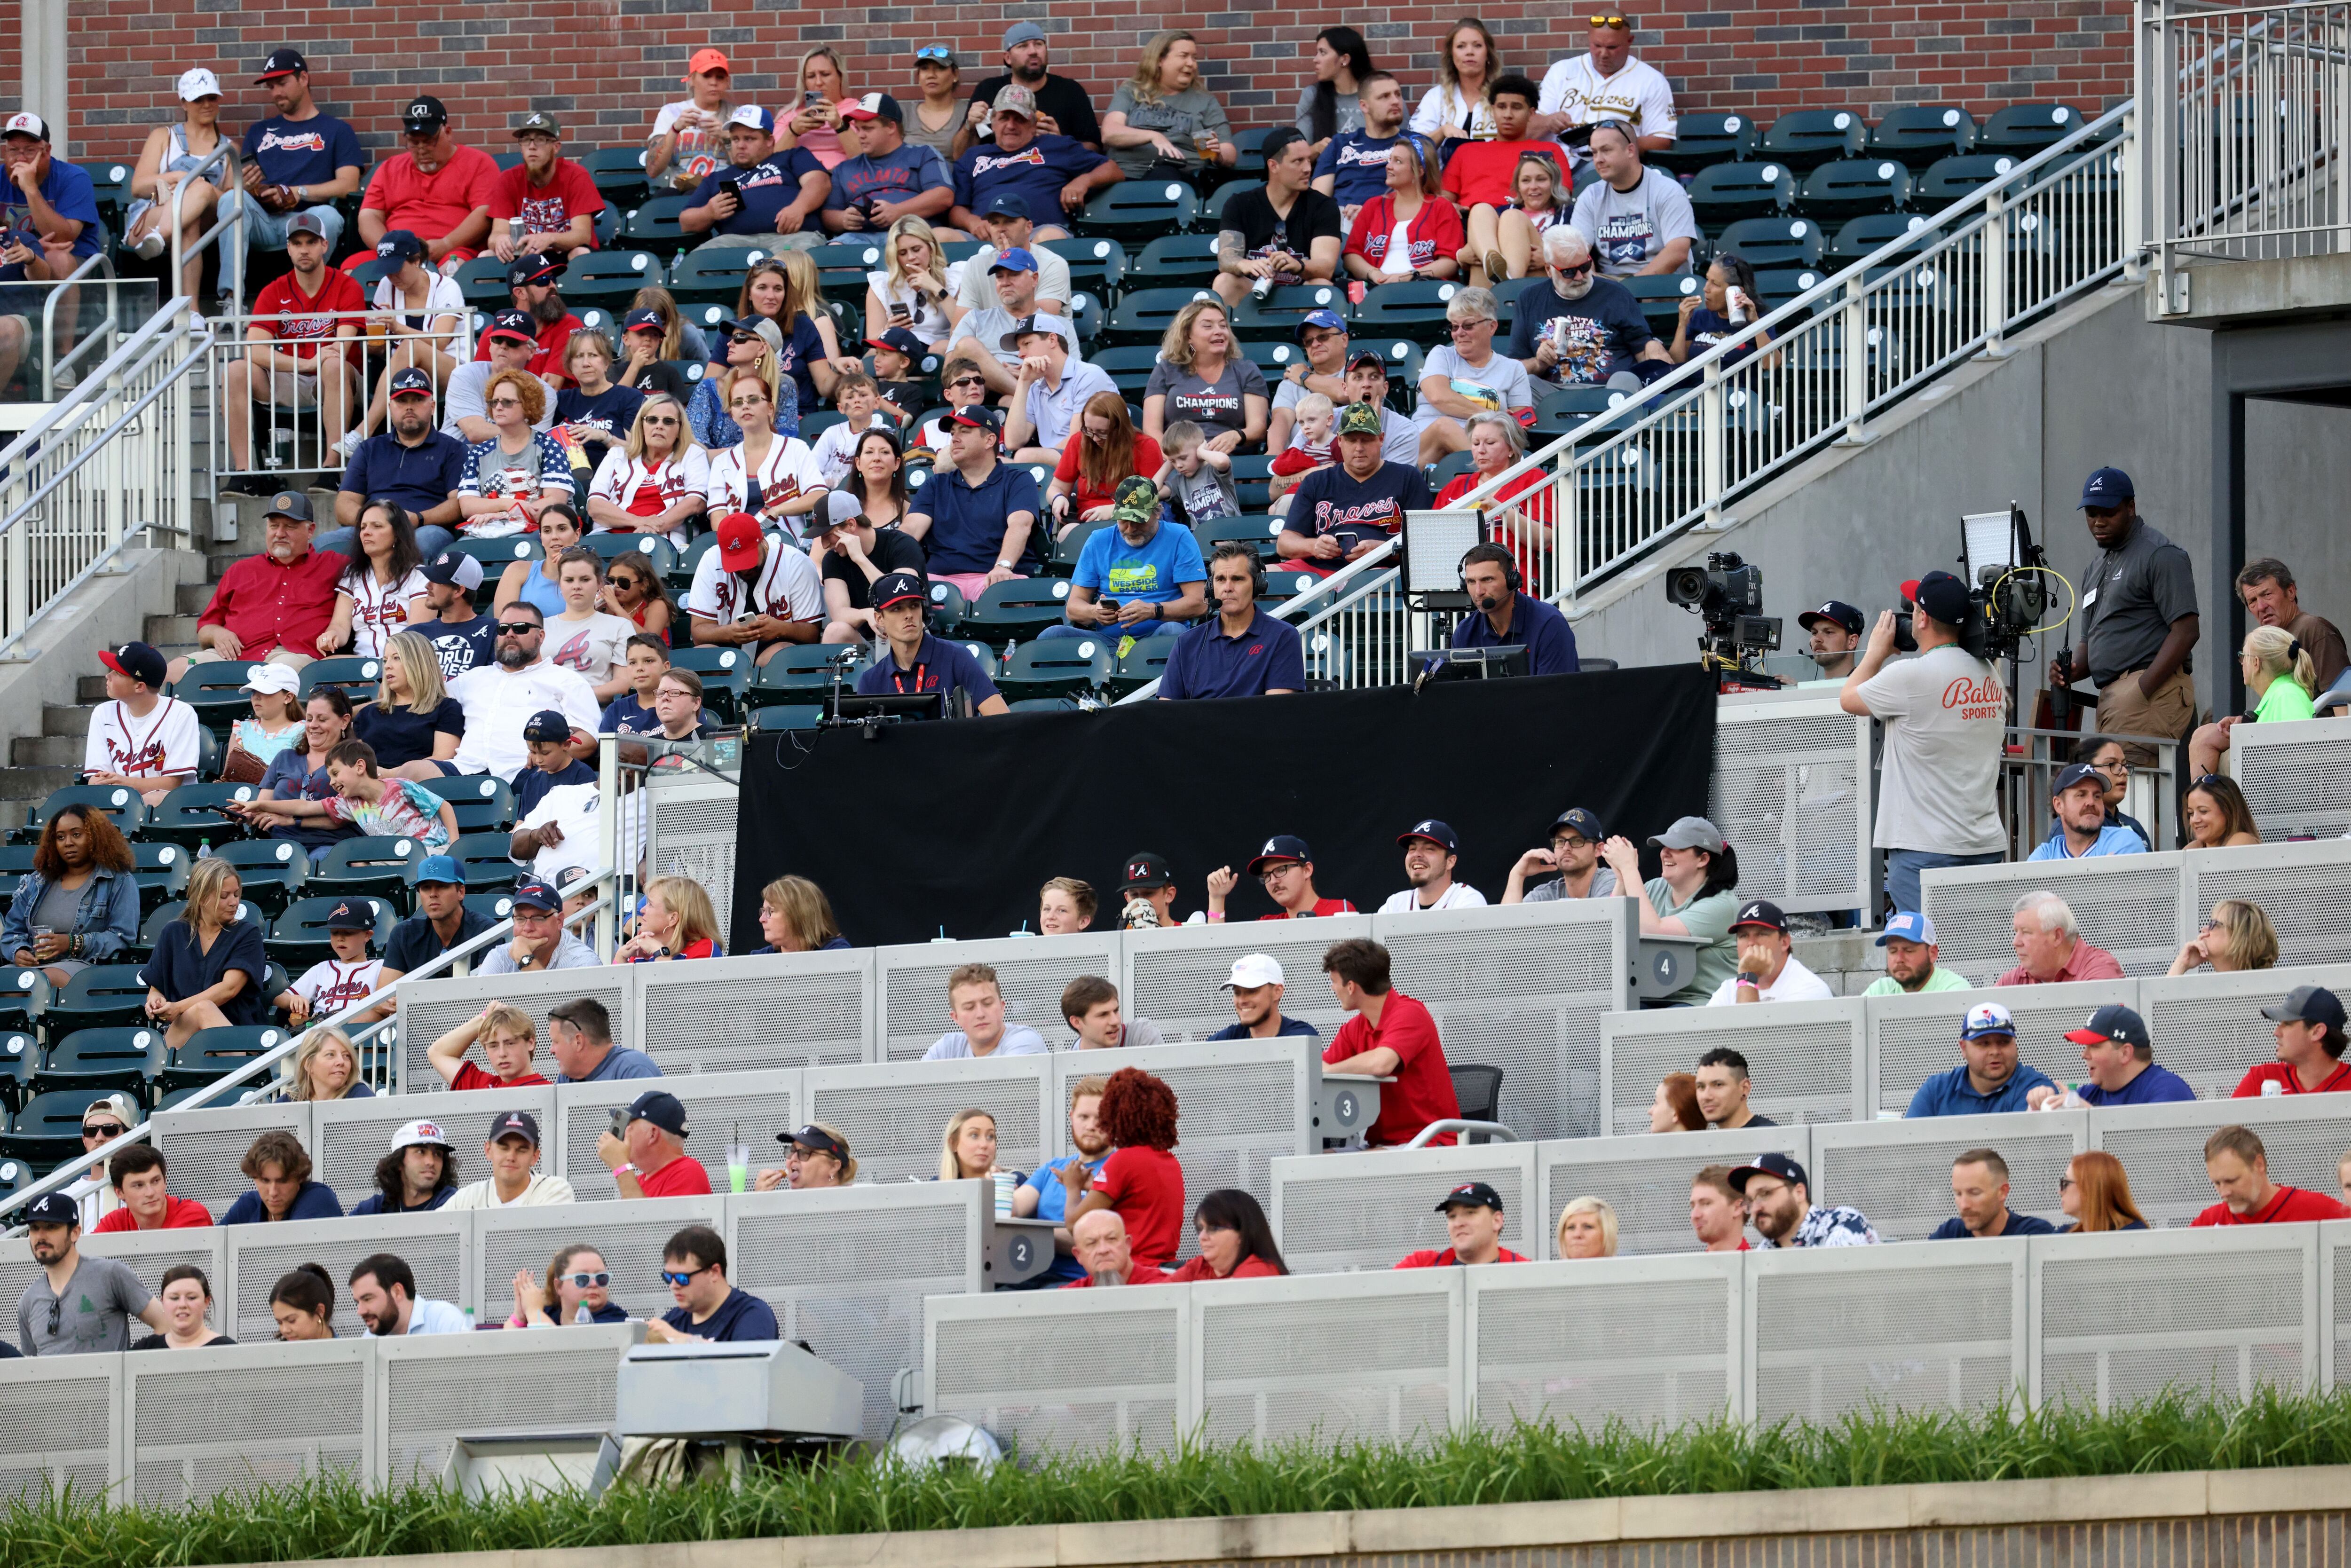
<point>198,83</point>
<point>427,1133</point>
<point>271,678</point>
<point>1251,970</point>
<point>25,125</point>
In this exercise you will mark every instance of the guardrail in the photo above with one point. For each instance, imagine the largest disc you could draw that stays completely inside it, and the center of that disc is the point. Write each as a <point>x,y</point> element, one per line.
<point>226,235</point>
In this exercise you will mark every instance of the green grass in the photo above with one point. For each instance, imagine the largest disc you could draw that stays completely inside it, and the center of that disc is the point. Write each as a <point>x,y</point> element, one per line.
<point>329,1517</point>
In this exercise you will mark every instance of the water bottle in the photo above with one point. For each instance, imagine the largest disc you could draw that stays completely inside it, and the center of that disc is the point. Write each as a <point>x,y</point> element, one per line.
<point>2271,1089</point>
<point>582,1317</point>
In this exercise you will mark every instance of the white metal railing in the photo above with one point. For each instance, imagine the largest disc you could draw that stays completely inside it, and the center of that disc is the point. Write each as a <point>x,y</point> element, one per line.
<point>1355,608</point>
<point>107,462</point>
<point>226,233</point>
<point>2249,111</point>
<point>104,332</point>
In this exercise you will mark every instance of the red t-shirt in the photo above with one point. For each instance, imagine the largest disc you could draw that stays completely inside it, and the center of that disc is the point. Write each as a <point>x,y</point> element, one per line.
<point>179,1214</point>
<point>304,320</point>
<point>2337,1081</point>
<point>682,1177</point>
<point>1446,1259</point>
<point>1324,906</point>
<point>1145,1188</point>
<point>267,605</point>
<point>2290,1204</point>
<point>1423,1090</point>
<point>1085,496</point>
<point>1487,172</point>
<point>1535,512</point>
<point>547,209</point>
<point>1198,1269</point>
<point>471,1077</point>
<point>431,206</point>
<point>553,339</point>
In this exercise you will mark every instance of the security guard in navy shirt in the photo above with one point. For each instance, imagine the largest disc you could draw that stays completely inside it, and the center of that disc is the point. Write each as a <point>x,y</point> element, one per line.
<point>917,661</point>
<point>1508,616</point>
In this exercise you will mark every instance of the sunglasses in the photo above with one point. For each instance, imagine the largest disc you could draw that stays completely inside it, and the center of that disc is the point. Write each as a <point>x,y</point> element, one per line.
<point>1458,328</point>
<point>658,419</point>
<point>103,1129</point>
<point>681,1278</point>
<point>935,52</point>
<point>739,339</point>
<point>968,381</point>
<point>516,628</point>
<point>582,1282</point>
<point>1574,271</point>
<point>2065,1184</point>
<point>1610,21</point>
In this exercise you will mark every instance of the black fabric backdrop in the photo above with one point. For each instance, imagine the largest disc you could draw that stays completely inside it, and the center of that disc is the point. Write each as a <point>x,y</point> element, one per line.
<point>953,827</point>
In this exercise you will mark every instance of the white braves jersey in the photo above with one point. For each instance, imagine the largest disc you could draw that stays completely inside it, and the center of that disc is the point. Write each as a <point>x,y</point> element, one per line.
<point>633,485</point>
<point>1461,895</point>
<point>836,444</point>
<point>1638,94</point>
<point>167,741</point>
<point>378,608</point>
<point>786,587</point>
<point>785,472</point>
<point>332,986</point>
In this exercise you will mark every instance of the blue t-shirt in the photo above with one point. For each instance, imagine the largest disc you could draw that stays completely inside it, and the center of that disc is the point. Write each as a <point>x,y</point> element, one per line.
<point>316,1200</point>
<point>1955,1229</point>
<point>619,1063</point>
<point>2156,1086</point>
<point>373,1203</point>
<point>2112,840</point>
<point>1288,1025</point>
<point>180,971</point>
<point>611,410</point>
<point>1604,328</point>
<point>938,666</point>
<point>532,784</point>
<point>1150,572</point>
<point>303,152</point>
<point>967,521</point>
<point>741,1316</point>
<point>69,193</point>
<point>1037,173</point>
<point>804,349</point>
<point>462,645</point>
<point>624,715</point>
<point>1951,1093</point>
<point>1053,1204</point>
<point>1358,161</point>
<point>902,175</point>
<point>1205,662</point>
<point>420,477</point>
<point>1543,631</point>
<point>1707,330</point>
<point>1333,501</point>
<point>768,187</point>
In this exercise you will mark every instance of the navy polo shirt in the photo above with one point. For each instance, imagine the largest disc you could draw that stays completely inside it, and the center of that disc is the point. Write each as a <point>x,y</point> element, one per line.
<point>1955,1229</point>
<point>1951,1093</point>
<point>1205,663</point>
<point>967,520</point>
<point>532,784</point>
<point>419,477</point>
<point>1288,1025</point>
<point>741,1316</point>
<point>1543,631</point>
<point>938,666</point>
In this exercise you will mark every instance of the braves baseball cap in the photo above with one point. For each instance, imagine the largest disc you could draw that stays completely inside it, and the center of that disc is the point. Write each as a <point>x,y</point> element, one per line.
<point>1690,833</point>
<point>1146,869</point>
<point>2116,1023</point>
<point>1361,419</point>
<point>642,321</point>
<point>752,115</point>
<point>451,569</point>
<point>874,106</point>
<point>353,914</point>
<point>663,1110</point>
<point>532,270</point>
<point>441,869</point>
<point>536,893</point>
<point>1013,260</point>
<point>53,1208</point>
<point>515,324</point>
<point>1987,1018</point>
<point>547,728</point>
<point>2309,1004</point>
<point>898,340</point>
<point>412,382</point>
<point>1434,831</point>
<point>282,63</point>
<point>817,1138</point>
<point>1838,612</point>
<point>400,244</point>
<point>739,541</point>
<point>706,59</point>
<point>1251,970</point>
<point>896,588</point>
<point>1030,326</point>
<point>1329,320</point>
<point>1280,848</point>
<point>1583,823</point>
<point>424,113</point>
<point>1137,500</point>
<point>274,678</point>
<point>1471,1195</point>
<point>1780,1166</point>
<point>138,661</point>
<point>1763,913</point>
<point>1368,357</point>
<point>1005,205</point>
<point>515,1124</point>
<point>537,123</point>
<point>197,83</point>
<point>1940,595</point>
<point>27,124</point>
<point>1023,33</point>
<point>2107,488</point>
<point>1908,926</point>
<point>426,1133</point>
<point>979,416</point>
<point>1015,100</point>
<point>2076,773</point>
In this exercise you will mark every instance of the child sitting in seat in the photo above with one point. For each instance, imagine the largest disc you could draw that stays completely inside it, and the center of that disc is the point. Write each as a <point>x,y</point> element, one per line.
<point>1195,479</point>
<point>1310,446</point>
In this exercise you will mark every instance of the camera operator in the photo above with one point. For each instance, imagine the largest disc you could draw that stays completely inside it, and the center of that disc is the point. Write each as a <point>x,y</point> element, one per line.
<point>1503,614</point>
<point>1946,719</point>
<point>2138,622</point>
<point>1835,631</point>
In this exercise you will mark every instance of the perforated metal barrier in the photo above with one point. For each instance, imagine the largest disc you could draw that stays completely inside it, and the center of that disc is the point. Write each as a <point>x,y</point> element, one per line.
<point>911,983</point>
<point>1809,1061</point>
<point>1364,1211</point>
<point>733,1014</point>
<point>1792,791</point>
<point>1651,1341</point>
<point>2297,781</point>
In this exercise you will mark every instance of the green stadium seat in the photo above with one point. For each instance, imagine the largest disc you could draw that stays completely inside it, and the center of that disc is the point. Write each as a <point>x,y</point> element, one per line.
<point>1416,305</point>
<point>610,276</point>
<point>619,173</point>
<point>1176,259</point>
<point>211,1054</point>
<point>1021,608</point>
<point>20,1054</point>
<point>484,860</point>
<point>1281,310</point>
<point>94,1061</point>
<point>777,717</point>
<point>1806,138</point>
<point>725,675</point>
<point>797,670</point>
<point>269,869</point>
<point>948,608</point>
<point>1096,262</point>
<point>681,576</point>
<point>1855,187</point>
<point>491,906</point>
<point>101,995</point>
<point>1725,192</point>
<point>298,939</point>
<point>1142,317</point>
<point>1258,533</point>
<point>1703,139</point>
<point>653,227</point>
<point>1128,366</point>
<point>370,865</point>
<point>482,801</point>
<point>48,1130</point>
<point>1135,209</point>
<point>482,281</point>
<point>1954,179</point>
<point>354,675</point>
<point>1918,133</point>
<point>25,995</point>
<point>213,690</point>
<point>1058,666</point>
<point>495,554</point>
<point>161,870</point>
<point>191,815</point>
<point>1139,665</point>
<point>1073,544</point>
<point>1774,242</point>
<point>1282,585</point>
<point>714,276</point>
<point>124,805</point>
<point>1212,211</point>
<point>1252,478</point>
<point>610,547</point>
<point>2025,128</point>
<point>1860,236</point>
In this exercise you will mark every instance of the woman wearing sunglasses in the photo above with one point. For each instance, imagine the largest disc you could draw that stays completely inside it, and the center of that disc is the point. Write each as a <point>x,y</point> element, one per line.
<point>578,1279</point>
<point>932,119</point>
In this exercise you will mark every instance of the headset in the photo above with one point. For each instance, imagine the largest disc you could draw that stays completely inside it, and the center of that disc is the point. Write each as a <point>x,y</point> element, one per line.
<point>1256,570</point>
<point>1513,578</point>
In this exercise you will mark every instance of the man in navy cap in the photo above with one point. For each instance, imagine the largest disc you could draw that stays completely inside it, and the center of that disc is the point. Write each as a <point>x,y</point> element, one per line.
<point>435,188</point>
<point>888,177</point>
<point>1285,869</point>
<point>647,1157</point>
<point>2077,798</point>
<point>511,340</point>
<point>1011,226</point>
<point>2120,1055</point>
<point>1835,631</point>
<point>79,1304</point>
<point>300,159</point>
<point>2309,1048</point>
<point>540,943</point>
<point>977,517</point>
<point>1780,1206</point>
<point>917,661</point>
<point>1283,232</point>
<point>1576,836</point>
<point>1768,970</point>
<point>1911,952</point>
<point>762,197</point>
<point>1431,850</point>
<point>2139,621</point>
<point>1946,719</point>
<point>408,462</point>
<point>1990,1077</point>
<point>1474,1223</point>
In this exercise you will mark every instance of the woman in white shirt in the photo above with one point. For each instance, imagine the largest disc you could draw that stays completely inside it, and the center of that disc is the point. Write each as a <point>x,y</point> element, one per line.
<point>420,314</point>
<point>653,485</point>
<point>584,638</point>
<point>773,478</point>
<point>911,290</point>
<point>372,598</point>
<point>1456,108</point>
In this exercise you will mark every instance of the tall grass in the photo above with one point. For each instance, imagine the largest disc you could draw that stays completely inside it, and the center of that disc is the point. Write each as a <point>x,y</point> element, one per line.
<point>331,1517</point>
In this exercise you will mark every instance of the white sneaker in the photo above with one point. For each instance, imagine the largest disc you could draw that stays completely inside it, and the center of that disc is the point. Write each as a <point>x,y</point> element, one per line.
<point>68,378</point>
<point>348,447</point>
<point>149,246</point>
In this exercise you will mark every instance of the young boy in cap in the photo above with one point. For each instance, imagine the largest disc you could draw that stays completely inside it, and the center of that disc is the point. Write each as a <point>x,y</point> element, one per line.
<point>138,739</point>
<point>552,197</point>
<point>1474,1224</point>
<point>891,362</point>
<point>914,660</point>
<point>546,742</point>
<point>1150,882</point>
<point>329,985</point>
<point>514,1180</point>
<point>508,1041</point>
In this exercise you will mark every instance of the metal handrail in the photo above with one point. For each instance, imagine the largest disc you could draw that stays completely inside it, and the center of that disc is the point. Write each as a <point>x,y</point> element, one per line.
<point>43,432</point>
<point>50,363</point>
<point>1362,571</point>
<point>1492,1130</point>
<point>224,157</point>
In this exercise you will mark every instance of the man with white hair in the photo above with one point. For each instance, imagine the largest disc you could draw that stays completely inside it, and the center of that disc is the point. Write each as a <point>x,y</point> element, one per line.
<point>1575,328</point>
<point>2048,946</point>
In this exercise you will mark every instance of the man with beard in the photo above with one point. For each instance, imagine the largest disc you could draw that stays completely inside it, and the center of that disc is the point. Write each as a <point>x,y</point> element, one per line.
<point>294,354</point>
<point>1063,107</point>
<point>437,190</point>
<point>1780,1204</point>
<point>1044,1196</point>
<point>275,605</point>
<point>383,1293</point>
<point>1575,328</point>
<point>1430,852</point>
<point>1257,983</point>
<point>530,283</point>
<point>410,462</point>
<point>76,1305</point>
<point>554,198</point>
<point>501,699</point>
<point>1576,836</point>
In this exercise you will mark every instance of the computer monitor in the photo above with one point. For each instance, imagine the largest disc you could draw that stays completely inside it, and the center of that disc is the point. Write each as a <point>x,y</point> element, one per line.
<point>1469,664</point>
<point>851,707</point>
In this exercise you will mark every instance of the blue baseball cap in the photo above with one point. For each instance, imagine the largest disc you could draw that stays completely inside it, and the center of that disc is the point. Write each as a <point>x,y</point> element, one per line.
<point>2107,488</point>
<point>440,868</point>
<point>1783,1166</point>
<point>2076,773</point>
<point>1331,319</point>
<point>1434,831</point>
<point>1013,260</point>
<point>1836,612</point>
<point>1908,926</point>
<point>1280,848</point>
<point>2117,1024</point>
<point>1005,205</point>
<point>755,118</point>
<point>1987,1018</point>
<point>530,891</point>
<point>1582,823</point>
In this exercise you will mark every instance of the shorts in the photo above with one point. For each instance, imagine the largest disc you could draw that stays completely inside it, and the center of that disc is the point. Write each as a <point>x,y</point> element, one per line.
<point>804,240</point>
<point>268,230</point>
<point>448,769</point>
<point>286,656</point>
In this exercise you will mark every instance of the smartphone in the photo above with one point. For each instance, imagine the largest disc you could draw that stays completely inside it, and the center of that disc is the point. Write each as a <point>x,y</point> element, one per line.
<point>900,313</point>
<point>620,1121</point>
<point>811,99</point>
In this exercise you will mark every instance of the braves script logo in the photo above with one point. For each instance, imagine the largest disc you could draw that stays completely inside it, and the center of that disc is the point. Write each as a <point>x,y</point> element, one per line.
<point>132,758</point>
<point>1974,699</point>
<point>1384,513</point>
<point>1031,156</point>
<point>343,990</point>
<point>291,142</point>
<point>1356,156</point>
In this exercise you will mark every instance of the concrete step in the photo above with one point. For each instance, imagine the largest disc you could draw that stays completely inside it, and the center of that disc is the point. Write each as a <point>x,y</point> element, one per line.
<point>56,719</point>
<point>167,631</point>
<point>91,690</point>
<point>193,596</point>
<point>58,751</point>
<point>26,784</point>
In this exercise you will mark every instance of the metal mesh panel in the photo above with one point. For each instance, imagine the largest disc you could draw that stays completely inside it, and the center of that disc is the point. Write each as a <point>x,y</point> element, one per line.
<point>810,1256</point>
<point>1080,1370</point>
<point>2335,1288</point>
<point>436,1389</point>
<point>692,832</point>
<point>2128,904</point>
<point>1918,1327</point>
<point>2162,1148</point>
<point>631,1237</point>
<point>58,1424</point>
<point>718,1107</point>
<point>433,1245</point>
<point>1171,975</point>
<point>911,983</point>
<point>208,1421</point>
<point>1269,1368</point>
<point>1805,1058</point>
<point>2314,922</point>
<point>896,1115</point>
<point>1915,1038</point>
<point>204,1147</point>
<point>2124,1316</point>
<point>1522,989</point>
<point>2290,782</point>
<point>146,1252</point>
<point>1787,789</point>
<point>349,1137</point>
<point>1334,1212</point>
<point>735,1014</point>
<point>1651,1343</point>
<point>431,1008</point>
<point>1899,1173</point>
<point>1647,1179</point>
<point>2209,1027</point>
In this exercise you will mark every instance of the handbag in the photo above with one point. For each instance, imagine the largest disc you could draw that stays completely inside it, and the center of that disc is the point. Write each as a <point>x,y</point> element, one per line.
<point>240,765</point>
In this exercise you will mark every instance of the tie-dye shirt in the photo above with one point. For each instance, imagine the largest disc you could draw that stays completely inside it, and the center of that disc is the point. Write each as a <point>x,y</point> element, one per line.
<point>406,810</point>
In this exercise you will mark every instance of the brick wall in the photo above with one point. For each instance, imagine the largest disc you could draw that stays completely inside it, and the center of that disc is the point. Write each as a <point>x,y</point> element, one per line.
<point>603,65</point>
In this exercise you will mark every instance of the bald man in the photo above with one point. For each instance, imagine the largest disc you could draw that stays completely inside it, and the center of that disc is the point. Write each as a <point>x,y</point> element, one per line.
<point>1099,1238</point>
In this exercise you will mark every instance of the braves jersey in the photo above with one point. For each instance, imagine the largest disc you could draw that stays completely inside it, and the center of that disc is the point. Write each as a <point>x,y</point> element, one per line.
<point>786,587</point>
<point>378,608</point>
<point>788,470</point>
<point>1638,94</point>
<point>646,490</point>
<point>304,320</point>
<point>165,742</point>
<point>332,986</point>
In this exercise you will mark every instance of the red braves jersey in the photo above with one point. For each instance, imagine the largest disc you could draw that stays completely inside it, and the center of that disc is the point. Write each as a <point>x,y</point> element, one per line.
<point>304,320</point>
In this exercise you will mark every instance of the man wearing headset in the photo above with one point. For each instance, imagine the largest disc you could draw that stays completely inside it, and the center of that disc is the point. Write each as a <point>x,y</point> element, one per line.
<point>1241,652</point>
<point>1506,615</point>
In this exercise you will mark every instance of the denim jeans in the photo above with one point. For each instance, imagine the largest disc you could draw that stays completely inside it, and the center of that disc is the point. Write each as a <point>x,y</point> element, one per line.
<point>1903,866</point>
<point>1146,629</point>
<point>431,540</point>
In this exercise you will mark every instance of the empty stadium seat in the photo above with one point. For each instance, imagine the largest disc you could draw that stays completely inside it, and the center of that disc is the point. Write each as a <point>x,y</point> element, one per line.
<point>1140,665</point>
<point>653,227</point>
<point>609,546</point>
<point>125,806</point>
<point>777,717</point>
<point>1058,666</point>
<point>619,173</point>
<point>1415,306</point>
<point>1282,584</point>
<point>24,995</point>
<point>1773,242</point>
<point>1176,259</point>
<point>191,816</point>
<point>370,865</point>
<point>47,1130</point>
<point>843,268</point>
<point>20,1054</point>
<point>482,801</point>
<point>609,277</point>
<point>482,281</point>
<point>1129,367</point>
<point>95,998</point>
<point>1861,236</point>
<point>1478,1091</point>
<point>490,906</point>
<point>1135,209</point>
<point>268,870</point>
<point>681,576</point>
<point>2025,128</point>
<point>215,691</point>
<point>948,609</point>
<point>1257,533</point>
<point>802,671</point>
<point>1016,608</point>
<point>1806,138</point>
<point>1661,295</point>
<point>496,554</point>
<point>713,275</point>
<point>484,860</point>
<point>211,1054</point>
<point>1142,317</point>
<point>1918,133</point>
<point>1070,545</point>
<point>1281,310</point>
<point>725,674</point>
<point>1950,180</point>
<point>354,675</point>
<point>1096,262</point>
<point>1854,187</point>
<point>1725,192</point>
<point>161,870</point>
<point>93,1061</point>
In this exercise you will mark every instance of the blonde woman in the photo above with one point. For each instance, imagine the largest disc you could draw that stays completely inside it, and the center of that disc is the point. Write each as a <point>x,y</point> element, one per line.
<point>655,483</point>
<point>749,346</point>
<point>910,289</point>
<point>677,922</point>
<point>2279,675</point>
<point>773,478</point>
<point>967,1148</point>
<point>815,126</point>
<point>795,917</point>
<point>209,969</point>
<point>520,469</point>
<point>2236,936</point>
<point>1201,379</point>
<point>171,152</point>
<point>1160,119</point>
<point>325,1066</point>
<point>1587,1229</point>
<point>1455,110</point>
<point>811,352</point>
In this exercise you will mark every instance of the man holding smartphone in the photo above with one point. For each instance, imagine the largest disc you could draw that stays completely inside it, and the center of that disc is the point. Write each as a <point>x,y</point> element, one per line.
<point>763,197</point>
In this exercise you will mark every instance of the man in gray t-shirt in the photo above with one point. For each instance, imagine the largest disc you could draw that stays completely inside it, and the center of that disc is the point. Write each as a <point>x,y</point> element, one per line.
<point>77,1304</point>
<point>2138,619</point>
<point>1575,840</point>
<point>1637,219</point>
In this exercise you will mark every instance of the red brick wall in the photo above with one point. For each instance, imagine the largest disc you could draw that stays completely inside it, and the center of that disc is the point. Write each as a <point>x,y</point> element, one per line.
<point>602,64</point>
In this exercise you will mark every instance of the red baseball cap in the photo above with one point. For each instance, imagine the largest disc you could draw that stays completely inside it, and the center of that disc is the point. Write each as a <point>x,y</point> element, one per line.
<point>739,541</point>
<point>706,61</point>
